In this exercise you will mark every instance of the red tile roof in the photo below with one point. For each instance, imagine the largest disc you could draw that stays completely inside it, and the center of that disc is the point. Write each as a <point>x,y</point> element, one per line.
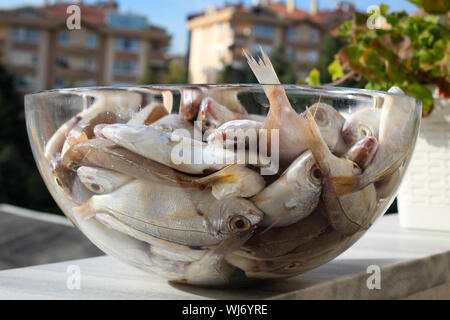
<point>320,17</point>
<point>281,8</point>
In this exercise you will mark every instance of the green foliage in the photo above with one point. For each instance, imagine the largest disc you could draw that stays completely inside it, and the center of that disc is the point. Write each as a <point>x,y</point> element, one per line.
<point>314,77</point>
<point>433,6</point>
<point>230,74</point>
<point>335,70</point>
<point>20,182</point>
<point>330,70</point>
<point>329,47</point>
<point>177,73</point>
<point>150,76</point>
<point>286,71</point>
<point>407,51</point>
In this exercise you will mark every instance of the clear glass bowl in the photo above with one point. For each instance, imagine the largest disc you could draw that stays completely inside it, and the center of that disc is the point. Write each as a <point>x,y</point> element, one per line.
<point>304,190</point>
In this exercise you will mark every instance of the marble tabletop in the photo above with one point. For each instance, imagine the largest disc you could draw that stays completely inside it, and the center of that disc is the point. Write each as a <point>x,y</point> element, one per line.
<point>411,264</point>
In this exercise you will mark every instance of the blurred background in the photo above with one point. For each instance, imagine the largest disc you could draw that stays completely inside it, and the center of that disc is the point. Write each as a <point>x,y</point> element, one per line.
<point>145,42</point>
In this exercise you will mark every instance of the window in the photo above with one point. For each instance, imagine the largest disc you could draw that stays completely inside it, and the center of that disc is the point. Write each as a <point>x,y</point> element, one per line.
<point>292,34</point>
<point>63,38</point>
<point>90,64</point>
<point>92,41</point>
<point>128,21</point>
<point>27,83</point>
<point>127,44</point>
<point>22,34</point>
<point>24,58</point>
<point>156,46</point>
<point>126,67</point>
<point>264,31</point>
<point>221,27</point>
<point>291,54</point>
<point>62,62</point>
<point>30,14</point>
<point>312,56</point>
<point>314,36</point>
<point>266,48</point>
<point>87,83</point>
<point>61,83</point>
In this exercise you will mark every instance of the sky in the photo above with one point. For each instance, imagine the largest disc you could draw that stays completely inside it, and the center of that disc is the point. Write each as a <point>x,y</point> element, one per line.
<point>171,14</point>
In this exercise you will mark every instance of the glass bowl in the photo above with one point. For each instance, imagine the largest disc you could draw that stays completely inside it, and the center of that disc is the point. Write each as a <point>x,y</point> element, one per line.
<point>220,185</point>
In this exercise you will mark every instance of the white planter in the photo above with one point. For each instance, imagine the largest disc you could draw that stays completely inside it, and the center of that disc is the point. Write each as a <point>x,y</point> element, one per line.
<point>424,196</point>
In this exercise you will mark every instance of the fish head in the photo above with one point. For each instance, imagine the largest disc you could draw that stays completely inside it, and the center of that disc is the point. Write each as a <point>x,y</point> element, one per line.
<point>304,174</point>
<point>63,177</point>
<point>77,155</point>
<point>87,126</point>
<point>357,127</point>
<point>228,133</point>
<point>190,103</point>
<point>89,176</point>
<point>363,151</point>
<point>98,130</point>
<point>238,216</point>
<point>209,115</point>
<point>73,157</point>
<point>330,123</point>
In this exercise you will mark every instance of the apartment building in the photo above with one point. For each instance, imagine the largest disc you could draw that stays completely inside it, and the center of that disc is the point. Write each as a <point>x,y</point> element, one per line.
<point>110,47</point>
<point>218,35</point>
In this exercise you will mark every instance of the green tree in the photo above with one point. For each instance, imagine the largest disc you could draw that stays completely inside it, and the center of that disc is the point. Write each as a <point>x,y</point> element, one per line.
<point>20,182</point>
<point>177,72</point>
<point>329,47</point>
<point>150,76</point>
<point>286,71</point>
<point>230,74</point>
<point>410,52</point>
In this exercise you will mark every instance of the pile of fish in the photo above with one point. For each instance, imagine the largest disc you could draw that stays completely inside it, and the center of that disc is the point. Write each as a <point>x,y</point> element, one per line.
<point>206,222</point>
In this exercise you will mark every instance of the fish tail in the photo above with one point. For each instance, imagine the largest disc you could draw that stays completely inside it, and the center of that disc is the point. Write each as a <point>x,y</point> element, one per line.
<point>263,68</point>
<point>85,211</point>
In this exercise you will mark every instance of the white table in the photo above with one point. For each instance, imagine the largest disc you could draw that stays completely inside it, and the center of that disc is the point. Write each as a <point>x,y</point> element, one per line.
<point>413,264</point>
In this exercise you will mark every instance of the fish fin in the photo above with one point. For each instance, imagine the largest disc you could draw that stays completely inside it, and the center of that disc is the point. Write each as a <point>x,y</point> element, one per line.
<point>222,275</point>
<point>274,223</point>
<point>227,173</point>
<point>85,211</point>
<point>271,226</point>
<point>345,185</point>
<point>308,126</point>
<point>263,69</point>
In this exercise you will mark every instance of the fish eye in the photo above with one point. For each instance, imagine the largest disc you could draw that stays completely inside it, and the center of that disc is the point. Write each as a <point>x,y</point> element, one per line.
<point>316,174</point>
<point>164,127</point>
<point>73,165</point>
<point>59,181</point>
<point>207,123</point>
<point>240,224</point>
<point>365,131</point>
<point>94,187</point>
<point>320,117</point>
